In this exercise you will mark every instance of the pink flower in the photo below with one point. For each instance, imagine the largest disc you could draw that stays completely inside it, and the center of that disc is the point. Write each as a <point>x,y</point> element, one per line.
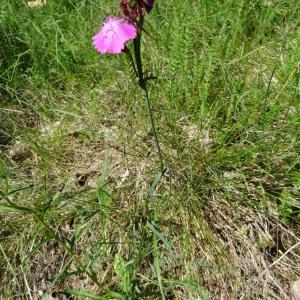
<point>113,35</point>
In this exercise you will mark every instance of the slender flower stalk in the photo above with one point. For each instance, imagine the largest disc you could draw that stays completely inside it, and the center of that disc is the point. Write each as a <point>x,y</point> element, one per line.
<point>143,86</point>
<point>145,95</point>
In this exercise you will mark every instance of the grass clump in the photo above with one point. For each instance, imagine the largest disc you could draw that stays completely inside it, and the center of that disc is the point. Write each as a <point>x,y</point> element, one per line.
<point>77,158</point>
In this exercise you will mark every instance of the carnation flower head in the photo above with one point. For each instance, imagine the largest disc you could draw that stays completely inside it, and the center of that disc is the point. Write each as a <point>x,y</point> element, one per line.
<point>113,35</point>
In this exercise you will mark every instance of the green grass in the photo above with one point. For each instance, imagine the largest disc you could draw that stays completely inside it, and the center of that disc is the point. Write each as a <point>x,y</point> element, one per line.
<point>77,158</point>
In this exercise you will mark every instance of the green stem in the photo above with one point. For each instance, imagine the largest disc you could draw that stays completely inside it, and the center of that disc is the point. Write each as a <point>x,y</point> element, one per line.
<point>146,97</point>
<point>142,85</point>
<point>138,59</point>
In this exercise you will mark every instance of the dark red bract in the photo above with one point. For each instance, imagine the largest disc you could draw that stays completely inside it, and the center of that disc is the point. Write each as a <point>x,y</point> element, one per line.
<point>149,5</point>
<point>133,10</point>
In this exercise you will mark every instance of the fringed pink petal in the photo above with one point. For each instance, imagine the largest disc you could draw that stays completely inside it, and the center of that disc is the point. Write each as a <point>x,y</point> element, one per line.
<point>113,36</point>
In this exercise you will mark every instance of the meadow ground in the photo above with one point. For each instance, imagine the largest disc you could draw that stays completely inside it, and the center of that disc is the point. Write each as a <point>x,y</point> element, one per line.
<point>77,157</point>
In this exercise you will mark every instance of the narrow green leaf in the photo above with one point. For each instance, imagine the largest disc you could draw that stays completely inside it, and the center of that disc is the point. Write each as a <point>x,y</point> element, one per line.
<point>157,266</point>
<point>151,226</point>
<point>86,294</point>
<point>8,208</point>
<point>20,189</point>
<point>154,184</point>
